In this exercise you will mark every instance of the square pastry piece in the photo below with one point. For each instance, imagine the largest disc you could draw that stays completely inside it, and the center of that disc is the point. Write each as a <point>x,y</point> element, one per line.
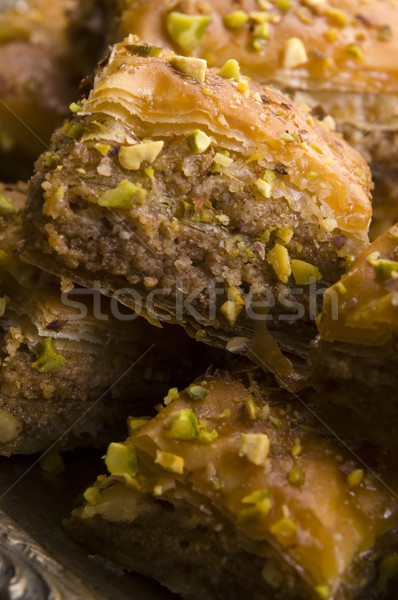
<point>193,189</point>
<point>231,491</point>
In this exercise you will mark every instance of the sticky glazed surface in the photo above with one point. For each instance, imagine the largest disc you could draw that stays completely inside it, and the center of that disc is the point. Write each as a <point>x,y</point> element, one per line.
<point>343,63</point>
<point>317,532</point>
<point>271,186</point>
<point>328,30</point>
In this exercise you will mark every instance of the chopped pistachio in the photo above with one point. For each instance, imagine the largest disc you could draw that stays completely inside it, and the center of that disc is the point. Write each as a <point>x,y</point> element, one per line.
<point>222,159</point>
<point>275,422</point>
<point>206,436</point>
<point>269,175</point>
<point>255,447</point>
<point>198,141</point>
<point>231,70</point>
<point>287,137</point>
<point>183,425</point>
<point>296,476</point>
<point>355,477</point>
<point>135,423</point>
<point>131,157</point>
<point>285,234</point>
<point>170,462</point>
<point>296,450</point>
<point>323,591</point>
<point>150,172</point>
<point>279,259</point>
<point>384,268</point>
<point>251,408</point>
<point>261,506</point>
<point>10,426</point>
<point>284,529</point>
<point>236,19</point>
<point>143,50</point>
<point>264,187</point>
<point>197,392</point>
<point>92,495</point>
<point>121,459</point>
<point>337,16</point>
<point>262,30</point>
<point>6,206</point>
<point>194,67</point>
<point>355,51</point>
<point>172,394</point>
<point>294,53</point>
<point>75,131</point>
<point>48,359</point>
<point>234,295</point>
<point>331,34</point>
<point>284,4</point>
<point>231,311</point>
<point>73,107</point>
<point>103,149</point>
<point>125,196</point>
<point>187,31</point>
<point>304,272</point>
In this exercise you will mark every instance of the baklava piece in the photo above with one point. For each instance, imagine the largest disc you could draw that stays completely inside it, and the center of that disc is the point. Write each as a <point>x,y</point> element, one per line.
<point>41,65</point>
<point>231,491</point>
<point>339,57</point>
<point>73,364</point>
<point>200,193</point>
<point>354,359</point>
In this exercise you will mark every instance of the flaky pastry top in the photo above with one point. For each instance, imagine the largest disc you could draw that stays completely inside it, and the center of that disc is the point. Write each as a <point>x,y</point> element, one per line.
<point>155,97</point>
<point>348,45</point>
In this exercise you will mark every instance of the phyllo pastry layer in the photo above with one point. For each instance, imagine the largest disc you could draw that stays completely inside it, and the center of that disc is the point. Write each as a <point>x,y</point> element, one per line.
<point>73,364</point>
<point>232,490</point>
<point>184,183</point>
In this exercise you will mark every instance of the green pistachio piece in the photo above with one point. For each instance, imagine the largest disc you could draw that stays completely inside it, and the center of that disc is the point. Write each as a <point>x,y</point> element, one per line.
<point>296,476</point>
<point>125,196</point>
<point>206,436</point>
<point>143,50</point>
<point>48,359</point>
<point>183,425</point>
<point>385,268</point>
<point>170,462</point>
<point>121,459</point>
<point>231,70</point>
<point>196,392</point>
<point>198,141</point>
<point>131,157</point>
<point>187,31</point>
<point>236,19</point>
<point>304,272</point>
<point>255,447</point>
<point>194,67</point>
<point>135,423</point>
<point>279,259</point>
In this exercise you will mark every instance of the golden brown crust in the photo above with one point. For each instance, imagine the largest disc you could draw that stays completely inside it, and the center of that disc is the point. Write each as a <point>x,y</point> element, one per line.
<point>370,26</point>
<point>240,121</point>
<point>331,510</point>
<point>362,307</point>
